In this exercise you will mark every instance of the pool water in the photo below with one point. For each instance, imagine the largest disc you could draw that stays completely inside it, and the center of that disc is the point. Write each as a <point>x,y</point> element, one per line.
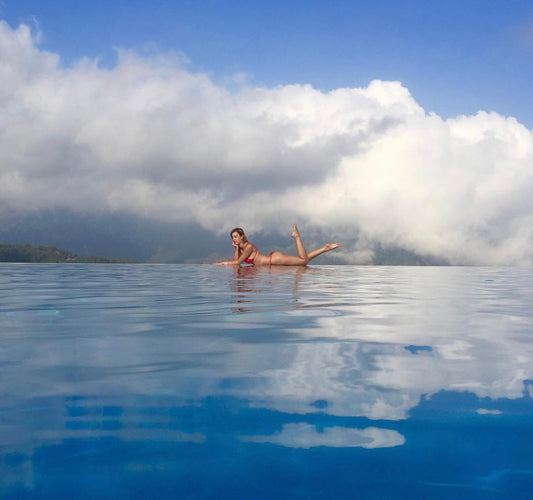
<point>200,382</point>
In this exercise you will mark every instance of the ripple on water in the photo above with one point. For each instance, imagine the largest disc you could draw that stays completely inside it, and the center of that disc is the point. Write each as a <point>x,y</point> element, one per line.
<point>203,374</point>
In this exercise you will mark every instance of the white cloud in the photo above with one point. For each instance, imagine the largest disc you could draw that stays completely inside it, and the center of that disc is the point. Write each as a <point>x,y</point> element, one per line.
<point>149,137</point>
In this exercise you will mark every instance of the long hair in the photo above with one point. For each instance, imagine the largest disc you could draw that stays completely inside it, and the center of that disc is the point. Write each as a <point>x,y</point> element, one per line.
<point>240,232</point>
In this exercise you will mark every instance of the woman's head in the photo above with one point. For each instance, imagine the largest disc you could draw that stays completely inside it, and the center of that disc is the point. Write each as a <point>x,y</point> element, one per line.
<point>240,232</point>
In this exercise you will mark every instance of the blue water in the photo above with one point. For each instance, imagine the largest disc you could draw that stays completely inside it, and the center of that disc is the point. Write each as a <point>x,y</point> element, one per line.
<point>201,382</point>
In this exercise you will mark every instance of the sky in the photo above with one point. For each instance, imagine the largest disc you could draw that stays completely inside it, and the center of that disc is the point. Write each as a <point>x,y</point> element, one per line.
<point>403,123</point>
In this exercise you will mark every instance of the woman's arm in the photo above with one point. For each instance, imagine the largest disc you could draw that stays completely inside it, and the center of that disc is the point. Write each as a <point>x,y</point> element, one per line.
<point>238,259</point>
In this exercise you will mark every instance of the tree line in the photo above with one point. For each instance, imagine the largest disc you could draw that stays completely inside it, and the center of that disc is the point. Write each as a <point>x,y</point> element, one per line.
<point>12,252</point>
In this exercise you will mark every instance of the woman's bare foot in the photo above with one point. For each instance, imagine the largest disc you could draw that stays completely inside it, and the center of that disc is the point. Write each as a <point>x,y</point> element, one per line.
<point>295,233</point>
<point>331,246</point>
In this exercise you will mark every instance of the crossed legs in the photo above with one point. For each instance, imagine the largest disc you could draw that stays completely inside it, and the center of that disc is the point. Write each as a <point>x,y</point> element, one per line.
<point>303,257</point>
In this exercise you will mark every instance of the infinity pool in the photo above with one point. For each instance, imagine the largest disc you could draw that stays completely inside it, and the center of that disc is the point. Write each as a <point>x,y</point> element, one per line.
<point>201,382</point>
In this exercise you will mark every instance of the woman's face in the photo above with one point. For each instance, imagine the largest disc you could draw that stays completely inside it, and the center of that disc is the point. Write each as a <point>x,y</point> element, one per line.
<point>236,238</point>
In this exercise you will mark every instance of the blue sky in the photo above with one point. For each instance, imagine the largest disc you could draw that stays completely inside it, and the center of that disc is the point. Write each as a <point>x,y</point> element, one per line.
<point>455,57</point>
<point>403,123</point>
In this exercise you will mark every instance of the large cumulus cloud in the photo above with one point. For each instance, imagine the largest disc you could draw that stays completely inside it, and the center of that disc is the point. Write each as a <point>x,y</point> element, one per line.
<point>149,137</point>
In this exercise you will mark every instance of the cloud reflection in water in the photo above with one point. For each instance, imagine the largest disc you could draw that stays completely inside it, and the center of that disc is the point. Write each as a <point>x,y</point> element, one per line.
<point>191,359</point>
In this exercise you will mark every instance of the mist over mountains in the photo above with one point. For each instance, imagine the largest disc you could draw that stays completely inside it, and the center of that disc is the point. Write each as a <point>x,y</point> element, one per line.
<point>122,236</point>
<point>115,236</point>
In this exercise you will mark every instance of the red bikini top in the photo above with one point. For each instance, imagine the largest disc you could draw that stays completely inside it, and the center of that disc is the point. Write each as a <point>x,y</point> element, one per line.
<point>249,260</point>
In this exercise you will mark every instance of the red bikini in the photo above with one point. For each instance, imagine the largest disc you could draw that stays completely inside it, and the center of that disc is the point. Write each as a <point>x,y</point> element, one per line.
<point>249,260</point>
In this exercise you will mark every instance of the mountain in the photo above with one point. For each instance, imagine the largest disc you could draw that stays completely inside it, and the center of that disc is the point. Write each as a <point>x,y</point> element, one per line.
<point>47,254</point>
<point>117,236</point>
<point>127,237</point>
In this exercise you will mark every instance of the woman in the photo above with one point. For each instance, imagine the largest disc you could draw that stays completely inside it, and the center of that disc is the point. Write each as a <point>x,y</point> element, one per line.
<point>246,252</point>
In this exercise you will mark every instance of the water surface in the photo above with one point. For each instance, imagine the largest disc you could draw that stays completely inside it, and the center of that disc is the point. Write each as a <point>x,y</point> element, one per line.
<point>195,381</point>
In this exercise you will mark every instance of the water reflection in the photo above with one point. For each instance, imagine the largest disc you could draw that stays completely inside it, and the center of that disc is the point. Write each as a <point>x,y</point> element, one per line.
<point>324,357</point>
<point>250,280</point>
<point>303,435</point>
<point>370,347</point>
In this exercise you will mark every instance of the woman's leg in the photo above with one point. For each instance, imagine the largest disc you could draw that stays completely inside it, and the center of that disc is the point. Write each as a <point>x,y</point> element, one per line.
<point>300,249</point>
<point>281,259</point>
<point>326,248</point>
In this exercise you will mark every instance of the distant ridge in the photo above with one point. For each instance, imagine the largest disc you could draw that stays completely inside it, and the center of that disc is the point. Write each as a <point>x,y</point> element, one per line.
<point>48,254</point>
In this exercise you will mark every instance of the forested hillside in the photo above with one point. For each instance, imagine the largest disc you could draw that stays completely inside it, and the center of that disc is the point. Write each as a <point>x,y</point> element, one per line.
<point>43,254</point>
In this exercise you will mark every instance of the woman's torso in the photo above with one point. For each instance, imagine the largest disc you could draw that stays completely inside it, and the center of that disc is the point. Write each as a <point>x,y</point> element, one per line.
<point>255,257</point>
